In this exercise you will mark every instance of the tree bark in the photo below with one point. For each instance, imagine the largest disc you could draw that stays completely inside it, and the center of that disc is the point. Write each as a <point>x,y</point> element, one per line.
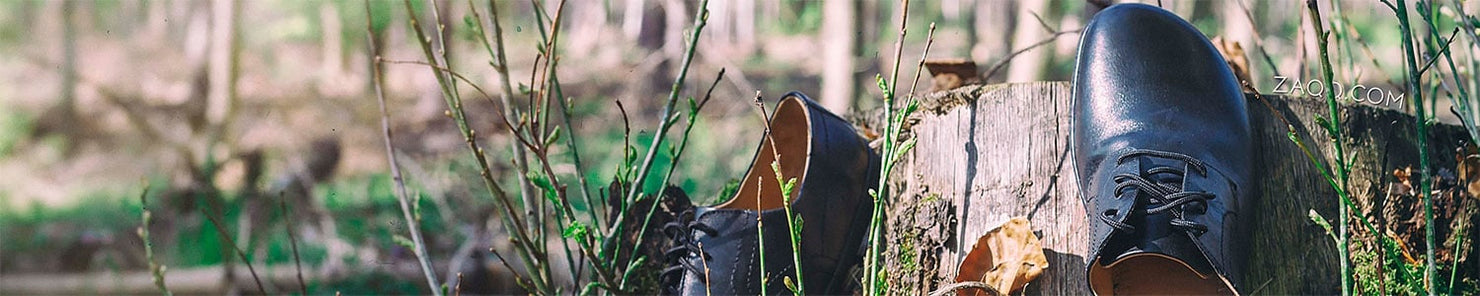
<point>988,153</point>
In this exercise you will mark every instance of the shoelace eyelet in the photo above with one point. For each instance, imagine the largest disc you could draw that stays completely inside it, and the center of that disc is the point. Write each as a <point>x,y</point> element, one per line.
<point>681,232</point>
<point>1162,196</point>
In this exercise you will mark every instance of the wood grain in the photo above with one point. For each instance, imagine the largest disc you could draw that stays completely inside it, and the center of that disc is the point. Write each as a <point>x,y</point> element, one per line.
<point>990,152</point>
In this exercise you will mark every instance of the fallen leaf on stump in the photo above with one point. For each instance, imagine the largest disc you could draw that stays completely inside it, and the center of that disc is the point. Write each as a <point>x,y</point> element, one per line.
<point>1468,165</point>
<point>1233,54</point>
<point>1006,258</point>
<point>952,73</point>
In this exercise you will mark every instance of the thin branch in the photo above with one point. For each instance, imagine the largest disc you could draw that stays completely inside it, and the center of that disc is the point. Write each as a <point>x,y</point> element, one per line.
<point>647,164</point>
<point>1258,40</point>
<point>1003,62</point>
<point>1415,78</point>
<point>1042,23</point>
<point>871,279</point>
<point>292,242</point>
<point>390,154</point>
<point>919,69</point>
<point>500,65</point>
<point>678,153</point>
<point>1444,51</point>
<point>1334,129</point>
<point>457,289</point>
<point>155,269</point>
<point>220,229</point>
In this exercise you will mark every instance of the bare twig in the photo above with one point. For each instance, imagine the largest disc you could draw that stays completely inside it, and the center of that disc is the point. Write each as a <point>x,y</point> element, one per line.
<point>678,152</point>
<point>1444,51</point>
<point>457,289</point>
<point>155,269</point>
<point>693,117</point>
<point>221,229</point>
<point>700,20</point>
<point>647,164</point>
<point>292,242</point>
<point>1334,128</point>
<point>520,233</point>
<point>500,65</point>
<point>385,128</point>
<point>1042,23</point>
<point>1415,78</point>
<point>919,69</point>
<point>1258,40</point>
<point>1003,62</point>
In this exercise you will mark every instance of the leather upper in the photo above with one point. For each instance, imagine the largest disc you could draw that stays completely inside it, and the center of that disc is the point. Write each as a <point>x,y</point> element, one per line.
<point>1147,80</point>
<point>832,201</point>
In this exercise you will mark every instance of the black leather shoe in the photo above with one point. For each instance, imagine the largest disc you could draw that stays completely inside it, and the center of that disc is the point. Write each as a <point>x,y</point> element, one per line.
<point>717,249</point>
<point>1163,152</point>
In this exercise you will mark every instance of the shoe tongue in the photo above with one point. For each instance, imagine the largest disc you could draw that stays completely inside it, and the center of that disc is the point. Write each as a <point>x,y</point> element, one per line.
<point>1155,234</point>
<point>717,217</point>
<point>1150,163</point>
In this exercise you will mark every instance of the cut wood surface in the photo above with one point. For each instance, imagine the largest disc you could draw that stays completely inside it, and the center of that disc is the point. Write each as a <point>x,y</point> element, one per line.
<point>990,152</point>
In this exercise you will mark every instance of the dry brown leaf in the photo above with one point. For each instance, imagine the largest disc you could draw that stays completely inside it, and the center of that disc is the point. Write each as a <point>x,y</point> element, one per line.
<point>1403,248</point>
<point>1006,258</point>
<point>952,73</point>
<point>1469,169</point>
<point>1233,53</point>
<point>1404,185</point>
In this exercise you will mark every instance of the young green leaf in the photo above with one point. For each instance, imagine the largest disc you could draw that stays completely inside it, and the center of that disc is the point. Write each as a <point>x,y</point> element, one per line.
<point>402,241</point>
<point>545,186</point>
<point>883,85</point>
<point>576,230</point>
<point>554,135</point>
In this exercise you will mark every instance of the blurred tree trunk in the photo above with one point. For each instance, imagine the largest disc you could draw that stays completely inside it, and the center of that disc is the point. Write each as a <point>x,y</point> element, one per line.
<point>29,11</point>
<point>332,44</point>
<point>771,12</point>
<point>744,25</point>
<point>869,22</point>
<point>69,61</point>
<point>1185,9</point>
<point>719,27</point>
<point>224,67</point>
<point>951,10</point>
<point>1029,65</point>
<point>1235,27</point>
<point>839,45</point>
<point>61,118</point>
<point>675,15</point>
<point>131,12</point>
<point>990,31</point>
<point>221,102</point>
<point>632,15</point>
<point>586,26</point>
<point>156,19</point>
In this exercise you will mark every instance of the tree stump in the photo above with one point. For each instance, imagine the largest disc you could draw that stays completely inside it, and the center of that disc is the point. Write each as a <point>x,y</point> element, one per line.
<point>990,152</point>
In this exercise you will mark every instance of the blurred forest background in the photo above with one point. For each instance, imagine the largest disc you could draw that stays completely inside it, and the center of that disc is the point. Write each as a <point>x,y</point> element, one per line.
<point>251,100</point>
